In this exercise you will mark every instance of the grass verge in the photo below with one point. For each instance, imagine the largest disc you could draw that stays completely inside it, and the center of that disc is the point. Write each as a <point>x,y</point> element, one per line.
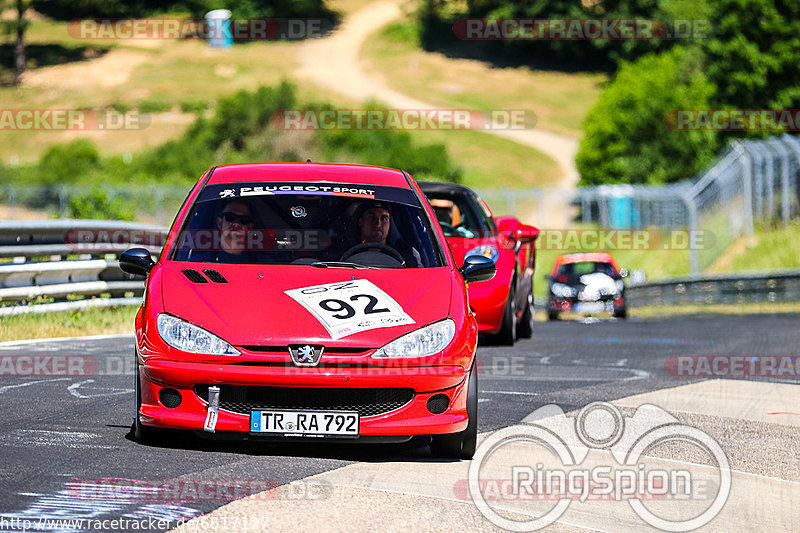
<point>78,323</point>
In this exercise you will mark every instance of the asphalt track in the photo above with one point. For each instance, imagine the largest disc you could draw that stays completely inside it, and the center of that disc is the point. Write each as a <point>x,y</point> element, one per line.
<point>66,448</point>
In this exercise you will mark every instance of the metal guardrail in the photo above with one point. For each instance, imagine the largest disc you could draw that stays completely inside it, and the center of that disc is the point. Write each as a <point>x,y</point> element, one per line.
<point>772,287</point>
<point>79,264</point>
<point>63,259</point>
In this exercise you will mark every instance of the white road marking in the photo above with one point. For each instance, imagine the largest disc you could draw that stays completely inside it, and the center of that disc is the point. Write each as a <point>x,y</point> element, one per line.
<point>9,387</point>
<point>5,345</point>
<point>73,389</point>
<point>514,393</point>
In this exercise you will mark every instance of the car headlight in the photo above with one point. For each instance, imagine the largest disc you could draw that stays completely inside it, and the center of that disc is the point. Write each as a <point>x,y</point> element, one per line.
<point>428,340</point>
<point>486,250</point>
<point>563,291</point>
<point>184,336</point>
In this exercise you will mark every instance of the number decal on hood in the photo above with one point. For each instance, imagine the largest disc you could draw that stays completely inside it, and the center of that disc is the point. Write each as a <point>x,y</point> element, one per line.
<point>348,307</point>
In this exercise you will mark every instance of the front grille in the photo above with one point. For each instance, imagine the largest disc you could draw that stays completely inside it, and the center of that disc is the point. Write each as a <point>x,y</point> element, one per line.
<point>367,402</point>
<point>329,350</point>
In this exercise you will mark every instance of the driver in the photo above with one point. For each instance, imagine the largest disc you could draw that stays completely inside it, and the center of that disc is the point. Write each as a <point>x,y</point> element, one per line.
<point>374,225</point>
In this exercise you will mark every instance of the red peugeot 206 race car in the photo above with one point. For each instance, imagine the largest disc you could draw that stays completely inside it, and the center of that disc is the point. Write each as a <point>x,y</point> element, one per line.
<point>302,301</point>
<point>504,306</point>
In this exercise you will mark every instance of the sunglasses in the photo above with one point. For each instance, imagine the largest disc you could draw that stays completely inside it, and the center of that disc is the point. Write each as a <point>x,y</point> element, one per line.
<point>230,218</point>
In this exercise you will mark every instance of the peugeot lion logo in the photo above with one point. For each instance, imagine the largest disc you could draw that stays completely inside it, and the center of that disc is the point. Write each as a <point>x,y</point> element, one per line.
<point>305,355</point>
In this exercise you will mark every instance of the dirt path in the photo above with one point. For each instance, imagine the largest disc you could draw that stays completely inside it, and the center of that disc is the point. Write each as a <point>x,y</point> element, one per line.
<point>333,63</point>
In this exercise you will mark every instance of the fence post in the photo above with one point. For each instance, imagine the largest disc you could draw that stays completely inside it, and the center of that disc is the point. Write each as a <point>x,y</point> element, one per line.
<point>586,207</point>
<point>510,204</point>
<point>158,198</point>
<point>62,201</point>
<point>12,200</point>
<point>770,180</point>
<point>795,145</point>
<point>691,210</point>
<point>747,185</point>
<point>757,182</point>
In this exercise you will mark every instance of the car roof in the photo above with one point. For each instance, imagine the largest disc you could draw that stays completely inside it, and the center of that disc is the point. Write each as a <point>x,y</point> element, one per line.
<point>597,257</point>
<point>443,186</point>
<point>306,172</point>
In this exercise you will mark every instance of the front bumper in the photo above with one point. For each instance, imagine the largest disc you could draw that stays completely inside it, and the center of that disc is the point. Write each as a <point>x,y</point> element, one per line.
<point>412,418</point>
<point>609,303</point>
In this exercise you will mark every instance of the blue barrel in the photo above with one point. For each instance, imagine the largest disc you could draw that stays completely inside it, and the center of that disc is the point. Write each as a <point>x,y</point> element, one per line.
<point>219,28</point>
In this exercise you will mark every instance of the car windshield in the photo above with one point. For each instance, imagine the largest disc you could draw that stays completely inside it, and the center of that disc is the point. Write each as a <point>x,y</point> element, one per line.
<point>571,272</point>
<point>258,225</point>
<point>460,215</point>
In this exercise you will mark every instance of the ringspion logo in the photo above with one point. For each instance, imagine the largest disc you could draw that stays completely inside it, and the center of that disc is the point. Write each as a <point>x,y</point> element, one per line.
<point>552,461</point>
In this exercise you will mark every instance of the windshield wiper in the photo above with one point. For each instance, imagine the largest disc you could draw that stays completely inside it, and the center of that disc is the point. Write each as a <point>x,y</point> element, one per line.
<point>337,264</point>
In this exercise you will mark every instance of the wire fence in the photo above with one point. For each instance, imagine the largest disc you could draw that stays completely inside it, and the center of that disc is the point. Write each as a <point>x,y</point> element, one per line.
<point>750,182</point>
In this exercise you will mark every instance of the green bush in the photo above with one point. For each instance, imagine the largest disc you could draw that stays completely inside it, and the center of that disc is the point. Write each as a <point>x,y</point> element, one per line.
<point>626,138</point>
<point>68,163</point>
<point>193,106</point>
<point>99,204</point>
<point>239,131</point>
<point>153,106</point>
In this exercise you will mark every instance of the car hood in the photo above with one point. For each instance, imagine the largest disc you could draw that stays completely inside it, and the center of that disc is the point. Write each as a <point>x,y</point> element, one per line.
<point>252,309</point>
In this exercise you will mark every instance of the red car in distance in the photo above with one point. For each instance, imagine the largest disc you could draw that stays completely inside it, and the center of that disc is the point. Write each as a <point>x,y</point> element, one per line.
<point>587,282</point>
<point>504,305</point>
<point>301,301</point>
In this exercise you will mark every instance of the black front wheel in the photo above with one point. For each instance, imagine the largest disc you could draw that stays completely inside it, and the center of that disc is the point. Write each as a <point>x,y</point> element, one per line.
<point>525,326</point>
<point>461,445</point>
<point>508,330</point>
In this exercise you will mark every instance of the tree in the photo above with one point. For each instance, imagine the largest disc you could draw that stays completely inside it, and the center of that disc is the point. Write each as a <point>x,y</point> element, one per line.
<point>626,139</point>
<point>16,26</point>
<point>754,54</point>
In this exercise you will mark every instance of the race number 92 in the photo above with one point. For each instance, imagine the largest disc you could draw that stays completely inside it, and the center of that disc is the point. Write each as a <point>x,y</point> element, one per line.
<point>348,307</point>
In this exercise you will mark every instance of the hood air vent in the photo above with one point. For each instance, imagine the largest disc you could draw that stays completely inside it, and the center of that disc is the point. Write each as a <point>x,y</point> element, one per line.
<point>215,276</point>
<point>194,276</point>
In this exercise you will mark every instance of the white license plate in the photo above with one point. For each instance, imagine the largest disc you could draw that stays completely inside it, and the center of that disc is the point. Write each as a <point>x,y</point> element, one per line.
<point>590,307</point>
<point>312,423</point>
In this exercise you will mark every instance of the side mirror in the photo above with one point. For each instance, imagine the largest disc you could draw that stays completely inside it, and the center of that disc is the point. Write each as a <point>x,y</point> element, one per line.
<point>525,233</point>
<point>477,268</point>
<point>136,261</point>
<point>623,272</point>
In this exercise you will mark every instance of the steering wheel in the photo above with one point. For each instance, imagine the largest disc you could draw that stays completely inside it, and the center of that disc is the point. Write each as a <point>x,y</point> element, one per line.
<point>447,229</point>
<point>382,248</point>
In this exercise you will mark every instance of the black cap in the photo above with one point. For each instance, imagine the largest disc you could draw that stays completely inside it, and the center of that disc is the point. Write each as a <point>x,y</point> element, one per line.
<point>374,204</point>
